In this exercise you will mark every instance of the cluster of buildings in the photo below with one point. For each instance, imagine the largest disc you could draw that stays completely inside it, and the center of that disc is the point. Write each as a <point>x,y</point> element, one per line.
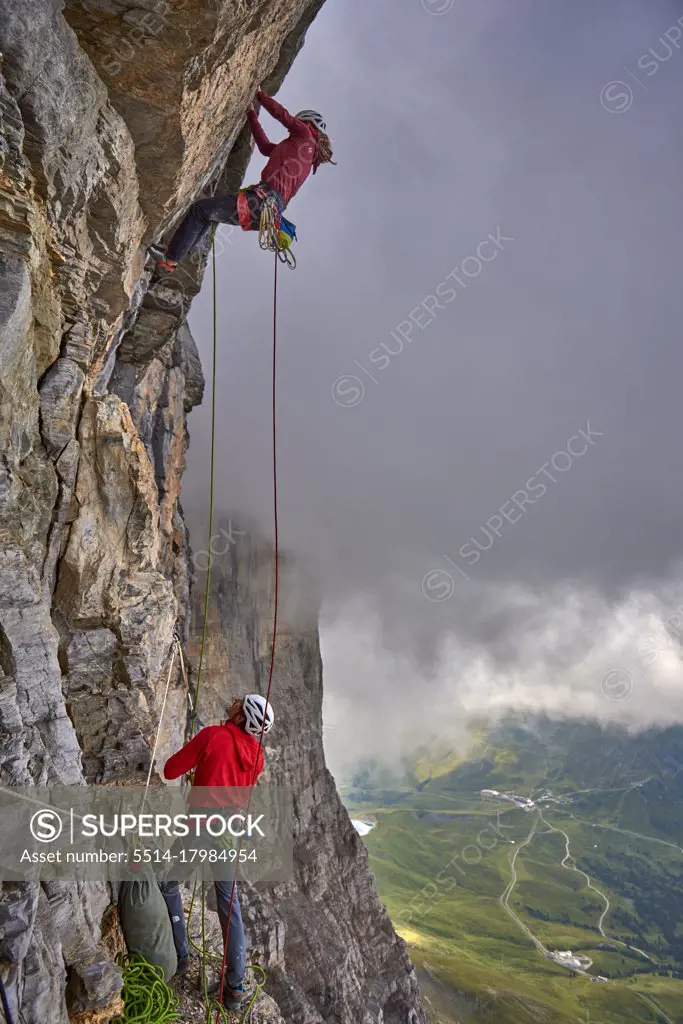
<point>547,797</point>
<point>572,961</point>
<point>521,801</point>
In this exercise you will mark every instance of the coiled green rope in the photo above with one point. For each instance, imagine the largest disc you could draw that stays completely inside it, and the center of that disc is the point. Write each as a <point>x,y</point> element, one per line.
<point>147,999</point>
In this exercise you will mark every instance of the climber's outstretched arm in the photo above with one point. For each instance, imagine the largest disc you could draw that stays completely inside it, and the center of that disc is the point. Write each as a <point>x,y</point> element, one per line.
<point>187,757</point>
<point>293,125</point>
<point>260,138</point>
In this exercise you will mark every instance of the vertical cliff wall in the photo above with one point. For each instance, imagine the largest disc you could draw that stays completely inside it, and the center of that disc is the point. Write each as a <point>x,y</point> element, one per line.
<point>114,116</point>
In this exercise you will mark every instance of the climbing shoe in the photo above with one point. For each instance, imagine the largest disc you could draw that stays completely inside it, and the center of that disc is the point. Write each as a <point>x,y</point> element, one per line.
<point>167,264</point>
<point>164,263</point>
<point>157,252</point>
<point>183,967</point>
<point>233,997</point>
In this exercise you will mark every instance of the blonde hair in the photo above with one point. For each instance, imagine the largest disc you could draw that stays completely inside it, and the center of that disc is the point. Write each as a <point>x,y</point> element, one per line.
<point>324,152</point>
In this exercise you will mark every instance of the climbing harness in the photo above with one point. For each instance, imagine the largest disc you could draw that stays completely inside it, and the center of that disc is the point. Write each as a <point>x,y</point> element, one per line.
<point>147,999</point>
<point>275,233</point>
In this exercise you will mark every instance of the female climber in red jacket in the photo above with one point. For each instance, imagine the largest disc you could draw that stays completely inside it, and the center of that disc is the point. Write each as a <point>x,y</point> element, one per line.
<point>290,163</point>
<point>227,755</point>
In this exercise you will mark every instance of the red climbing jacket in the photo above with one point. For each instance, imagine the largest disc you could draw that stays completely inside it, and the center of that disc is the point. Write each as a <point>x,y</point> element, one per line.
<point>291,160</point>
<point>222,755</point>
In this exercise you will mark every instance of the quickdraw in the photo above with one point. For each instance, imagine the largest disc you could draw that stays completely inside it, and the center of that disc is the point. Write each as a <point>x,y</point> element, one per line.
<point>270,236</point>
<point>275,232</point>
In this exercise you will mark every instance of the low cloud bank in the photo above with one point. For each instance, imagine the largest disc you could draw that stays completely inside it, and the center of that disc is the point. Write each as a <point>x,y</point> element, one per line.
<point>569,653</point>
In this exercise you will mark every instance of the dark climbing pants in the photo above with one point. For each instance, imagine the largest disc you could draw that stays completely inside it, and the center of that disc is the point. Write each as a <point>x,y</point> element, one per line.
<point>236,958</point>
<point>216,210</point>
<point>198,220</point>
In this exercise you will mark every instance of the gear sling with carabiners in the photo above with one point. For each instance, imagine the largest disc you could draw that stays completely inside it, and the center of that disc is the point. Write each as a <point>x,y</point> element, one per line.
<point>259,207</point>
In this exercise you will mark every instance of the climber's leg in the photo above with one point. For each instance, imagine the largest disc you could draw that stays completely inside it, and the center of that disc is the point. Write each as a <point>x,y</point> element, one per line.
<point>198,220</point>
<point>236,959</point>
<point>171,893</point>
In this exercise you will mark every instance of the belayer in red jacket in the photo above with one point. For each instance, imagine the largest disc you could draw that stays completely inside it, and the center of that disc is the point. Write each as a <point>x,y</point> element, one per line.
<point>290,163</point>
<point>221,755</point>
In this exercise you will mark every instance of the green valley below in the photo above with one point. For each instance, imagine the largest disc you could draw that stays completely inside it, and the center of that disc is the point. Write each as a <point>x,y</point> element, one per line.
<point>555,896</point>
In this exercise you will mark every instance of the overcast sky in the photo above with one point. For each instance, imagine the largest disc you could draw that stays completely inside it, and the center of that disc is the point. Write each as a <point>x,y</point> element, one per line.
<point>492,502</point>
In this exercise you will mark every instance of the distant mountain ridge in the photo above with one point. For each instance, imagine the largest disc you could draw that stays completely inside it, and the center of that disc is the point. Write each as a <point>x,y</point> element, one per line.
<point>520,749</point>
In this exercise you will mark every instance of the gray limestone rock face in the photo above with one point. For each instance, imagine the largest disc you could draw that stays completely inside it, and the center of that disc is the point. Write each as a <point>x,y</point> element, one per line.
<point>92,985</point>
<point>18,906</point>
<point>114,117</point>
<point>189,361</point>
<point>60,396</point>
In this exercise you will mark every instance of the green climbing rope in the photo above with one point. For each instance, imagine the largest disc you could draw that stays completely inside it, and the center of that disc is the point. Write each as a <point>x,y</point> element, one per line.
<point>147,999</point>
<point>212,1005</point>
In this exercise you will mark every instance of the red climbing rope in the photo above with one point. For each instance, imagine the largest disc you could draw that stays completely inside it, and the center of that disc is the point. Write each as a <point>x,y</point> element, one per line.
<point>275,623</point>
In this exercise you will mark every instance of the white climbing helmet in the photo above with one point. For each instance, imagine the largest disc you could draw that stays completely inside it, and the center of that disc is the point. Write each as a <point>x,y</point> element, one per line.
<point>259,714</point>
<point>313,117</point>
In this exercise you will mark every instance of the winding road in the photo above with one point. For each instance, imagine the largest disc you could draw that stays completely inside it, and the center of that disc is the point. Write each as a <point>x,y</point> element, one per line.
<point>569,863</point>
<point>655,1006</point>
<point>568,856</point>
<point>503,899</point>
